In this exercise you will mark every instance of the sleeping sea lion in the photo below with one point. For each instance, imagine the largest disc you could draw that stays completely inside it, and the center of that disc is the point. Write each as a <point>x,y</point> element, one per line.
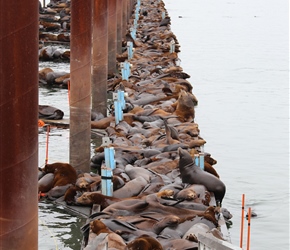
<point>49,112</point>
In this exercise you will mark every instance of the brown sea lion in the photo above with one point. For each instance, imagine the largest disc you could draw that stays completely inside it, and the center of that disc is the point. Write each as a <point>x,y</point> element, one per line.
<point>64,173</point>
<point>144,242</point>
<point>90,198</point>
<point>184,106</point>
<point>112,241</point>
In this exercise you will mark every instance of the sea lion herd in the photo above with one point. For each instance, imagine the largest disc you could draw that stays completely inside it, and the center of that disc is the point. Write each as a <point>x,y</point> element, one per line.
<point>161,199</point>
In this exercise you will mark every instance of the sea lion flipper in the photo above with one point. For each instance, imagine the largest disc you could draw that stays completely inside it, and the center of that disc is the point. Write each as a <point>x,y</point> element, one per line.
<point>94,215</point>
<point>125,224</point>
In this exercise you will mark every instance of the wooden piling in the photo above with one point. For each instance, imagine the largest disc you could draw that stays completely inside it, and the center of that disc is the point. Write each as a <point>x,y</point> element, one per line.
<point>100,57</point>
<point>19,124</point>
<point>80,84</point>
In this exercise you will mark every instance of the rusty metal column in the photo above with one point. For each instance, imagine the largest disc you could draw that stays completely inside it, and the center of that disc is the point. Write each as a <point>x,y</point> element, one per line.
<point>119,25</point>
<point>18,124</point>
<point>100,56</point>
<point>129,11</point>
<point>80,85</point>
<point>112,37</point>
<point>124,19</point>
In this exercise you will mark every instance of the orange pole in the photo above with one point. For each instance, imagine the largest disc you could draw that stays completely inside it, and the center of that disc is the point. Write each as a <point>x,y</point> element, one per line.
<point>47,139</point>
<point>249,227</point>
<point>242,220</point>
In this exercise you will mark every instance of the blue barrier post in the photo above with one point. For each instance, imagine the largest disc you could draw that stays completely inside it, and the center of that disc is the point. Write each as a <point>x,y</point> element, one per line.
<point>172,46</point>
<point>136,16</point>
<point>133,32</point>
<point>121,98</point>
<point>119,111</point>
<point>106,172</point>
<point>110,157</point>
<point>196,159</point>
<point>127,66</point>
<point>107,184</point>
<point>122,65</point>
<point>125,70</point>
<point>201,158</point>
<point>119,104</point>
<point>130,50</point>
<point>163,14</point>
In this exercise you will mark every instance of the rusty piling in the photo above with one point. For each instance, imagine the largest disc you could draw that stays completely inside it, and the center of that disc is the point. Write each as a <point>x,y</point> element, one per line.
<point>124,18</point>
<point>80,84</point>
<point>100,56</point>
<point>18,124</point>
<point>119,25</point>
<point>112,36</point>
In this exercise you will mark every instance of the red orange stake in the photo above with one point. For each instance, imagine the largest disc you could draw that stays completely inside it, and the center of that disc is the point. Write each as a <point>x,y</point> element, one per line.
<point>47,136</point>
<point>249,227</point>
<point>242,221</point>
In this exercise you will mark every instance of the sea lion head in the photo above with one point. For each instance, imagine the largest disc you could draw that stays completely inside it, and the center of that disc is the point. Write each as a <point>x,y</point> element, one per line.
<point>184,157</point>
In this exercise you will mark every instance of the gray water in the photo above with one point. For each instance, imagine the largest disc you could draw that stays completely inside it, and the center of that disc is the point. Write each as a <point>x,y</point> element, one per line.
<point>236,52</point>
<point>237,55</point>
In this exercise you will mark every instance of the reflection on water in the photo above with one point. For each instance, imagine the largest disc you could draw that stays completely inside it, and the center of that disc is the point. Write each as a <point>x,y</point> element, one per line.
<point>58,228</point>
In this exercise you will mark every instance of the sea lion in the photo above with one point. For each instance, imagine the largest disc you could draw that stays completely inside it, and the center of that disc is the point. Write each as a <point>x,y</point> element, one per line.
<point>181,244</point>
<point>58,191</point>
<point>131,188</point>
<point>46,183</point>
<point>111,241</point>
<point>192,174</point>
<point>64,173</point>
<point>49,112</point>
<point>192,233</point>
<point>91,198</point>
<point>186,194</point>
<point>134,172</point>
<point>144,242</point>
